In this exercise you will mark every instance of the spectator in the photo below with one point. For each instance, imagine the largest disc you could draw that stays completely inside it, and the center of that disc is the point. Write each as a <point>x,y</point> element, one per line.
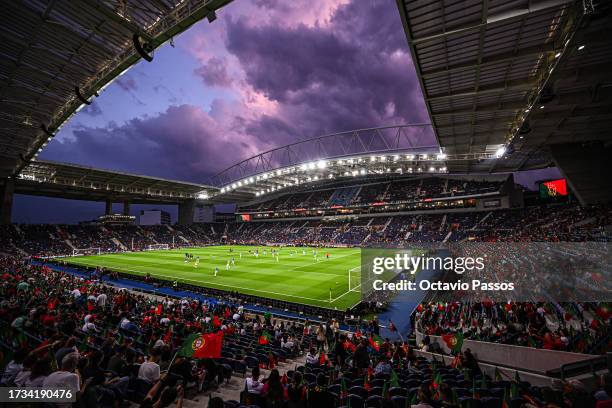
<point>274,393</point>
<point>150,370</point>
<point>252,383</point>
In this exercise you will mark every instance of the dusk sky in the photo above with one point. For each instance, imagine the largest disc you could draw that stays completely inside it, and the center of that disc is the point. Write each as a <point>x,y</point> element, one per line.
<point>265,73</point>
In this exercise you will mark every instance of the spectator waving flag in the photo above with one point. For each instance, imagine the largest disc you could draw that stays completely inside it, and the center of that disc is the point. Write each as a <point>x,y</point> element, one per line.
<point>454,341</point>
<point>202,345</point>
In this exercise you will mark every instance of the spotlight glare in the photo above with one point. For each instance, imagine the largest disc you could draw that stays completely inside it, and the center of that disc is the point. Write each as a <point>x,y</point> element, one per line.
<point>500,152</point>
<point>580,48</point>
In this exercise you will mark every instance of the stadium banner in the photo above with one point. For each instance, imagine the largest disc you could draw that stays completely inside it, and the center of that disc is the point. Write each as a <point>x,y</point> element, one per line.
<point>489,271</point>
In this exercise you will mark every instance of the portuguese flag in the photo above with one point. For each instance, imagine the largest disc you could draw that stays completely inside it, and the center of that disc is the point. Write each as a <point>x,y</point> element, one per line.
<point>454,341</point>
<point>375,342</point>
<point>200,345</point>
<point>264,338</point>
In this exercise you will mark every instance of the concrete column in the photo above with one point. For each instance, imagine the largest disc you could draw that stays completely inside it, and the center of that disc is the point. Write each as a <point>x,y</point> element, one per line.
<point>126,208</point>
<point>185,212</point>
<point>7,188</point>
<point>109,207</point>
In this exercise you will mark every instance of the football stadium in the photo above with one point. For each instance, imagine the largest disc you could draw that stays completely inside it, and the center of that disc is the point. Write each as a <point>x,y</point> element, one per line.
<point>306,204</point>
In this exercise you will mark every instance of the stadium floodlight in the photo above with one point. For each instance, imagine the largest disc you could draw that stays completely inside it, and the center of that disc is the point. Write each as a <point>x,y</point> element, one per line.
<point>316,178</point>
<point>410,156</point>
<point>309,179</point>
<point>346,173</point>
<point>234,186</point>
<point>432,169</point>
<point>419,170</point>
<point>442,168</point>
<point>279,172</point>
<point>304,167</point>
<point>372,159</point>
<point>251,179</point>
<point>500,152</point>
<point>311,166</point>
<point>351,161</point>
<point>331,176</point>
<point>354,173</point>
<point>395,158</point>
<point>441,156</point>
<point>424,157</point>
<point>203,196</point>
<point>321,164</point>
<point>383,159</point>
<point>409,169</point>
<point>363,171</point>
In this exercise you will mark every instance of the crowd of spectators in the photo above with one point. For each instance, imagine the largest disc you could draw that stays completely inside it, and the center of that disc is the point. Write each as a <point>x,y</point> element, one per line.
<point>550,223</point>
<point>388,192</point>
<point>577,327</point>
<point>362,370</point>
<point>110,345</point>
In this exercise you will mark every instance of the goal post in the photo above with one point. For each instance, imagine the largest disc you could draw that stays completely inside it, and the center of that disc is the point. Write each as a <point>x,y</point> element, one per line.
<point>86,251</point>
<point>154,247</point>
<point>354,279</point>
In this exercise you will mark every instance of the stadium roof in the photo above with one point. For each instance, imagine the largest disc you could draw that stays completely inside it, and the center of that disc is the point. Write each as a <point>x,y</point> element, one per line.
<point>392,150</point>
<point>518,75</point>
<point>57,55</point>
<point>63,180</point>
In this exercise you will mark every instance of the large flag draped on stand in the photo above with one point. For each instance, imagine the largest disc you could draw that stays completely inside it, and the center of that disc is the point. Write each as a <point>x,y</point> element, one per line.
<point>202,345</point>
<point>454,341</point>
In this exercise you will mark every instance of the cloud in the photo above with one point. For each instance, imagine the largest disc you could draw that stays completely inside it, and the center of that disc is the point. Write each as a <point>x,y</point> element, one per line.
<point>285,78</point>
<point>93,109</point>
<point>214,73</point>
<point>353,72</point>
<point>127,83</point>
<point>184,142</point>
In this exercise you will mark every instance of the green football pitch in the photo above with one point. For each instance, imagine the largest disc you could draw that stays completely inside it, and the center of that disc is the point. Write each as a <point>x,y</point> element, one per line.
<point>296,277</point>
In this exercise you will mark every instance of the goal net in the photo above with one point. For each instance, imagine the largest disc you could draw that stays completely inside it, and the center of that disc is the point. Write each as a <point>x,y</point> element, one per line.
<point>85,251</point>
<point>154,247</point>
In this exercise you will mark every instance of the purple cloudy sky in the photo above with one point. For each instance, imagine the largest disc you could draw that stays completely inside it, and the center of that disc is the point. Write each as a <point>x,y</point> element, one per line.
<point>265,73</point>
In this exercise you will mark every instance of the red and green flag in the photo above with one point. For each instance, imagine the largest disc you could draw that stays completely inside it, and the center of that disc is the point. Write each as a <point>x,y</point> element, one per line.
<point>437,381</point>
<point>202,345</point>
<point>454,341</point>
<point>264,338</point>
<point>375,342</point>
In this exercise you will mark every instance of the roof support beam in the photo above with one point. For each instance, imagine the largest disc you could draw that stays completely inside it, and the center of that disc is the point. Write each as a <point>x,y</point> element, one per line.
<point>518,85</point>
<point>510,14</point>
<point>534,51</point>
